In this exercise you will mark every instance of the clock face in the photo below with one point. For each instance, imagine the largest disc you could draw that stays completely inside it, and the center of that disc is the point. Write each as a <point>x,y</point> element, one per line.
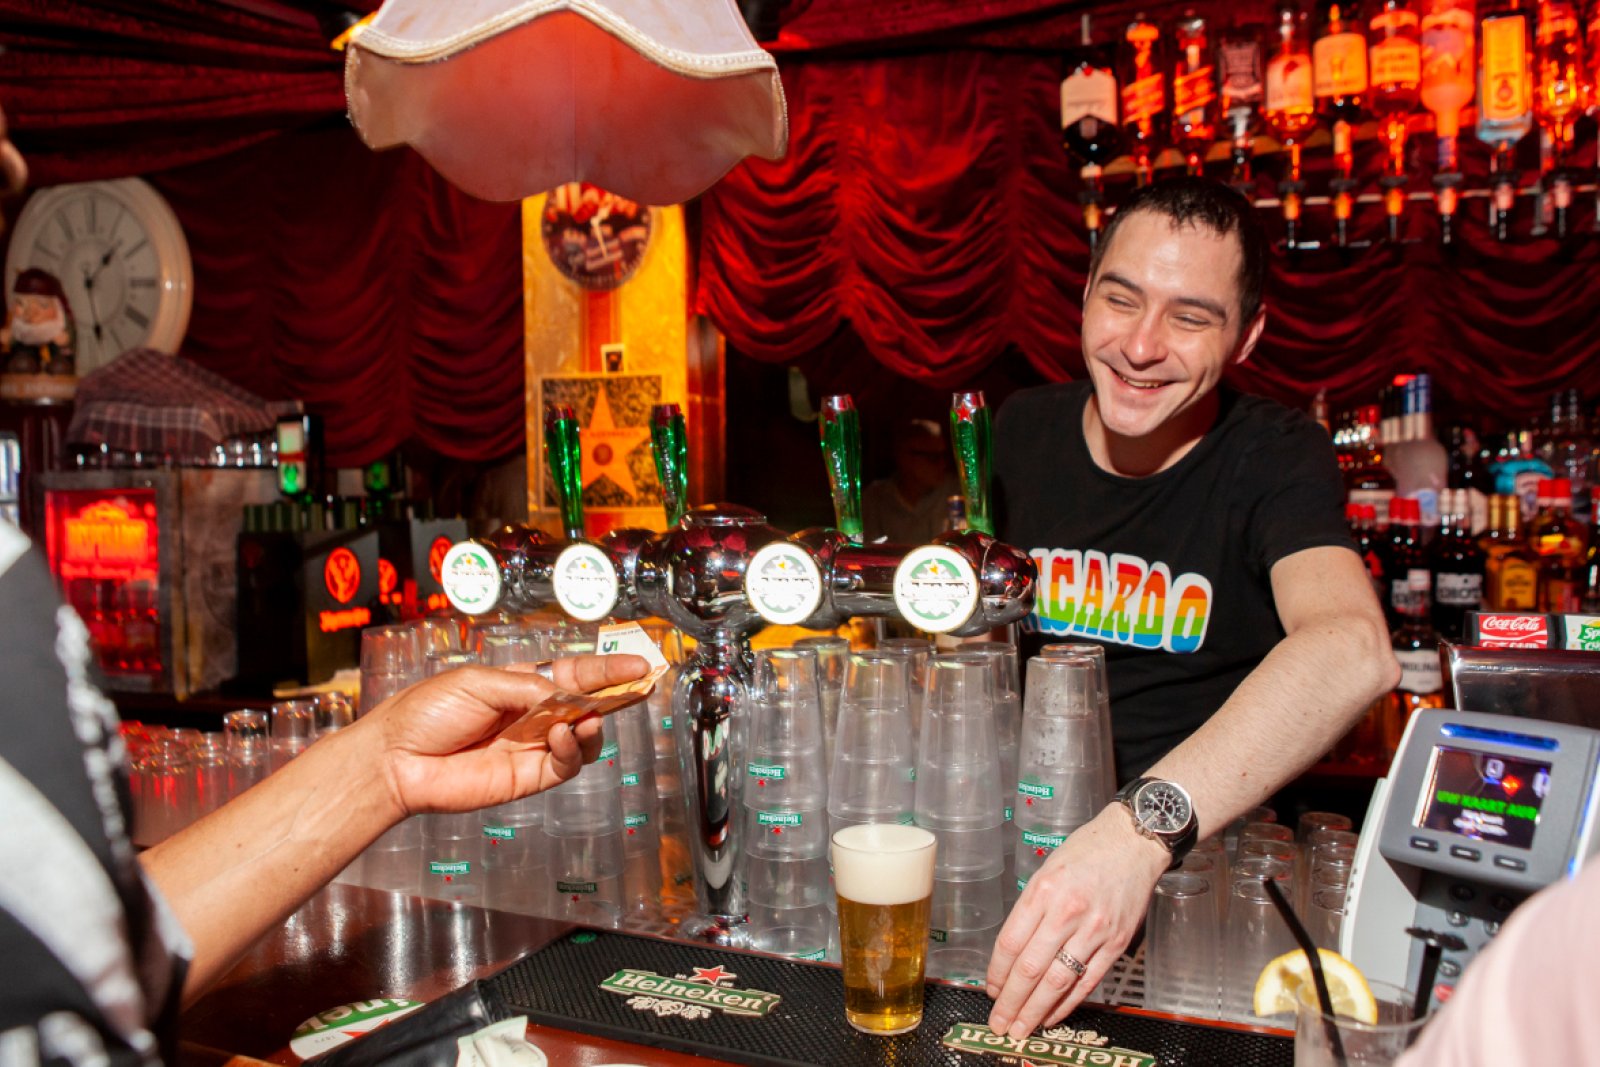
<point>595,238</point>
<point>121,258</point>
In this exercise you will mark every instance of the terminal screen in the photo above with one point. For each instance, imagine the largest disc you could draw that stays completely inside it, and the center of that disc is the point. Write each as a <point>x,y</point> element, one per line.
<point>1490,798</point>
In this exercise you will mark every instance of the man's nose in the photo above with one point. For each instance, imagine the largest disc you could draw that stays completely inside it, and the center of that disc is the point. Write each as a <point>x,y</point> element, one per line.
<point>1145,345</point>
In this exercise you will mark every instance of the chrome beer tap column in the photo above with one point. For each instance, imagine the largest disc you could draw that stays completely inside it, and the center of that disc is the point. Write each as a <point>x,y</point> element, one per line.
<point>693,576</point>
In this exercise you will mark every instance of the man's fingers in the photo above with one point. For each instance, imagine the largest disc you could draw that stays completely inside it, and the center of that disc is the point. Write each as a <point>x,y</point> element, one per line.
<point>1014,937</point>
<point>565,753</point>
<point>590,737</point>
<point>1099,964</point>
<point>584,674</point>
<point>1056,985</point>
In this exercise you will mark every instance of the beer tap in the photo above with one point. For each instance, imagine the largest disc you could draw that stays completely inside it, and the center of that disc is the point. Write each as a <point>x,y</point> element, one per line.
<point>669,442</point>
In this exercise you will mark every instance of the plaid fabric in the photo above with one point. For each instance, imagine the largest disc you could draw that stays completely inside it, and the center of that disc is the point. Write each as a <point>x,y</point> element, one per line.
<point>148,401</point>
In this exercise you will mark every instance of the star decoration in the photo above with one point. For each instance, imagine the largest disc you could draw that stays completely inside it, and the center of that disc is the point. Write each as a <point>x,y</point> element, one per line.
<point>762,782</point>
<point>1040,851</point>
<point>1027,802</point>
<point>606,446</point>
<point>630,831</point>
<point>714,975</point>
<point>777,829</point>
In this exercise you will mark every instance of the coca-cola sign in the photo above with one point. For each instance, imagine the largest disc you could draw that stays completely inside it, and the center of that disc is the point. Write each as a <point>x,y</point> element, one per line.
<point>1512,631</point>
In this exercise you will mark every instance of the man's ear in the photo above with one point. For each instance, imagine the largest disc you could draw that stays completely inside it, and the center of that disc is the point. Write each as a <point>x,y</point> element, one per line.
<point>1252,335</point>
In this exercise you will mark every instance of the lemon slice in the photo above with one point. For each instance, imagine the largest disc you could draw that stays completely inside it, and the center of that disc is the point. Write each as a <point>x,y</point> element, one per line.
<point>1287,980</point>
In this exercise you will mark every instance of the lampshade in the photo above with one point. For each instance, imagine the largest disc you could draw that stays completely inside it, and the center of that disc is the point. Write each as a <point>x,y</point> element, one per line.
<point>652,99</point>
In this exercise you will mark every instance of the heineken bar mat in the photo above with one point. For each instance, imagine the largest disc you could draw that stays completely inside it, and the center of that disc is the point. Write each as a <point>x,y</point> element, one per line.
<point>766,1012</point>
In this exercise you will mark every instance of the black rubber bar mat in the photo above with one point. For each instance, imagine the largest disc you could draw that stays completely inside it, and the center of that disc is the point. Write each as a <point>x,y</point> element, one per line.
<point>771,1012</point>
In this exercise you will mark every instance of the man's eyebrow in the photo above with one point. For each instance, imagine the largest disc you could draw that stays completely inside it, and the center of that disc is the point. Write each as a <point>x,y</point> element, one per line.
<point>1189,301</point>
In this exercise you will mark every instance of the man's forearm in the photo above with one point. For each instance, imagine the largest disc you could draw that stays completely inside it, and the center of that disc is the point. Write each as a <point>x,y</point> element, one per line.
<point>241,870</point>
<point>1287,712</point>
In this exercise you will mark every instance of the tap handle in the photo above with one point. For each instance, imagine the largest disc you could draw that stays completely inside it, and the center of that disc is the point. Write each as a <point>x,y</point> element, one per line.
<point>669,440</point>
<point>564,453</point>
<point>840,425</point>
<point>971,435</point>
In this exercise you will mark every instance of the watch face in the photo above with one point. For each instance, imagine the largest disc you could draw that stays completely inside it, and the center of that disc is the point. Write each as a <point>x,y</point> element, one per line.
<point>595,238</point>
<point>1162,808</point>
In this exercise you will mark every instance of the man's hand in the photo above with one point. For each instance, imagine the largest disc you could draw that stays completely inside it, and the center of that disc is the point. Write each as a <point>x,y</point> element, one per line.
<point>440,737</point>
<point>1088,898</point>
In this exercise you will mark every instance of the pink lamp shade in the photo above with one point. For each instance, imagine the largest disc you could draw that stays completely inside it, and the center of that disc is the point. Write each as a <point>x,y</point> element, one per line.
<point>652,99</point>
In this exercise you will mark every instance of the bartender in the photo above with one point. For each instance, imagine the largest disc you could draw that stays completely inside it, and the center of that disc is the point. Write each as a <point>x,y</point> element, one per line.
<point>1197,533</point>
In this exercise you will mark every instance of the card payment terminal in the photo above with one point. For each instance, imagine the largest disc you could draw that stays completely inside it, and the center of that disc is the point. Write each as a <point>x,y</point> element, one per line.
<point>1478,813</point>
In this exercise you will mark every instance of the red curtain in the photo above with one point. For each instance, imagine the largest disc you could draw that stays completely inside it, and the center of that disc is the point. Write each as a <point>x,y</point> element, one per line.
<point>926,205</point>
<point>359,282</point>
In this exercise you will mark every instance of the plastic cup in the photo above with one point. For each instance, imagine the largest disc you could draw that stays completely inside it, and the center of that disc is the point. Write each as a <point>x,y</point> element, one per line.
<point>958,764</point>
<point>1181,972</point>
<point>1365,1044</point>
<point>1096,655</point>
<point>391,649</point>
<point>873,776</point>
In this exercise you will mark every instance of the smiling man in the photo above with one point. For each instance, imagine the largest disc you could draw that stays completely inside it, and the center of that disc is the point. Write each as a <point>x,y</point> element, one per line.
<point>1197,534</point>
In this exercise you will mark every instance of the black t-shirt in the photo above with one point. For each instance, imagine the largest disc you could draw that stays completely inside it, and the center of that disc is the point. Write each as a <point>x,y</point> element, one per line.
<point>1170,573</point>
<point>90,960</point>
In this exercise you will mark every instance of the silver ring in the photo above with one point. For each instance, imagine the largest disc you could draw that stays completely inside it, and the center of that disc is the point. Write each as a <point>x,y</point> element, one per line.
<point>1072,963</point>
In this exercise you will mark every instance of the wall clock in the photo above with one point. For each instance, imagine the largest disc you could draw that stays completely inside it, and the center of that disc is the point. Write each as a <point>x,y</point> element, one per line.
<point>120,255</point>
<point>595,238</point>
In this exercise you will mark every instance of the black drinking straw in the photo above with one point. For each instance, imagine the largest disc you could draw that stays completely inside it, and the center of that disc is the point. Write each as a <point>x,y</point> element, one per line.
<point>1310,949</point>
<point>1434,945</point>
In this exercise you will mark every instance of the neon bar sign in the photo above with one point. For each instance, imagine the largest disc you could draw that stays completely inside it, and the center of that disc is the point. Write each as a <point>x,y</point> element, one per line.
<point>109,537</point>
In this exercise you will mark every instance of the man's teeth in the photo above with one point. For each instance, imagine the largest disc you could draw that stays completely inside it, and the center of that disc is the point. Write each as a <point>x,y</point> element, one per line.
<point>1139,385</point>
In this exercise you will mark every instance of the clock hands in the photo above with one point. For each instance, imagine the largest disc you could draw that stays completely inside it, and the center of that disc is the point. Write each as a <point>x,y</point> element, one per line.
<point>105,261</point>
<point>94,310</point>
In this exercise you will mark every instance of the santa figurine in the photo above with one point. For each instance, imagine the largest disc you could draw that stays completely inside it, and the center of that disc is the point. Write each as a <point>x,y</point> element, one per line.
<point>38,336</point>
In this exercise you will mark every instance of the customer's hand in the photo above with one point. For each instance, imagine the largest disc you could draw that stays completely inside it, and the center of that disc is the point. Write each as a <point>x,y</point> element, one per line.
<point>1086,901</point>
<point>441,743</point>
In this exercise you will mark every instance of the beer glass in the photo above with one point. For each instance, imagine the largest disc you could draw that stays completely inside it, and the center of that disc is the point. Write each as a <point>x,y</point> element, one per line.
<point>883,874</point>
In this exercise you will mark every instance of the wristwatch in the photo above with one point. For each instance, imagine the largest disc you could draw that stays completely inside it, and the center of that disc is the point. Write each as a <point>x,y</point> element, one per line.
<point>1163,812</point>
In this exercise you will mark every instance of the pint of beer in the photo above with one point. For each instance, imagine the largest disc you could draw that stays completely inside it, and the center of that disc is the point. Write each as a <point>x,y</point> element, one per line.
<point>884,877</point>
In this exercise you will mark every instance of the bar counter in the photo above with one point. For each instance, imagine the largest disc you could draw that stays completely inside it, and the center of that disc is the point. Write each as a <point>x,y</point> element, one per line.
<point>350,943</point>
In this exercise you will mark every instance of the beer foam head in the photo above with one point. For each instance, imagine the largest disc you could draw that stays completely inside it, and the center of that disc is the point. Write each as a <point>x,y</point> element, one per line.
<point>883,863</point>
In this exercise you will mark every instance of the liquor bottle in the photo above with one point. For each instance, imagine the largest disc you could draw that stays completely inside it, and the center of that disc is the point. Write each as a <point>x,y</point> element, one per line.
<point>1511,571</point>
<point>1505,101</point>
<point>1290,110</point>
<point>1370,547</point>
<point>1447,85</point>
<point>1589,602</point>
<point>1144,95</point>
<point>1339,83</point>
<point>1469,474</point>
<point>1458,568</point>
<point>1394,71</point>
<point>1089,129</point>
<point>1410,580</point>
<point>1240,78</point>
<point>1369,482</point>
<point>1194,91</point>
<point>1568,448</point>
<point>1558,541</point>
<point>1414,641</point>
<point>1561,87</point>
<point>1419,463</point>
<point>1517,471</point>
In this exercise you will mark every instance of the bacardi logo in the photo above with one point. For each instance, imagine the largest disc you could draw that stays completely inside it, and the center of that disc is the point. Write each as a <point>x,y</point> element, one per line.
<point>1513,631</point>
<point>1057,1047</point>
<point>690,996</point>
<point>341,573</point>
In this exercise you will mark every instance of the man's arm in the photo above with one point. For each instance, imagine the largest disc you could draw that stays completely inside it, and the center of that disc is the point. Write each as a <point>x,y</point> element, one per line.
<point>241,870</point>
<point>1310,689</point>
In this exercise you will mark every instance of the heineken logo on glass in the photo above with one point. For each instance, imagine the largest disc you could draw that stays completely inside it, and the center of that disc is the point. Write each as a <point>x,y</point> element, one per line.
<point>636,819</point>
<point>500,833</point>
<point>450,868</point>
<point>935,589</point>
<point>783,584</point>
<point>584,888</point>
<point>609,751</point>
<point>1036,792</point>
<point>778,821</point>
<point>585,582</point>
<point>1059,1046</point>
<point>691,996</point>
<point>666,722</point>
<point>818,955</point>
<point>766,772</point>
<point>630,779</point>
<point>1042,844</point>
<point>471,578</point>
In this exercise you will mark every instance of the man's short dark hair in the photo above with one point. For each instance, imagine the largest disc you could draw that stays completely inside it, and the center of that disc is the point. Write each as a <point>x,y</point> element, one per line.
<point>1194,201</point>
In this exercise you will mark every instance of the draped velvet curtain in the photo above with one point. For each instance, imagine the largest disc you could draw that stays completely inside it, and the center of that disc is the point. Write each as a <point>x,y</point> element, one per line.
<point>927,206</point>
<point>360,282</point>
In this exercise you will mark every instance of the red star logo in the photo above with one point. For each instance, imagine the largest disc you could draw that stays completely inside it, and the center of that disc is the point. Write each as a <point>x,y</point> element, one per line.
<point>714,975</point>
<point>574,898</point>
<point>777,829</point>
<point>630,831</point>
<point>1040,851</point>
<point>449,878</point>
<point>762,782</point>
<point>1028,802</point>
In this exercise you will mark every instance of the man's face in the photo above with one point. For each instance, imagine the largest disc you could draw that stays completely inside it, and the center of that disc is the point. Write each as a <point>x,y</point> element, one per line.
<point>1161,322</point>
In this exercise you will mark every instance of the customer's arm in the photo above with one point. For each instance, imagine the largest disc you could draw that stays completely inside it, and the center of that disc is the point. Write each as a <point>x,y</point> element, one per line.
<point>241,870</point>
<point>1091,894</point>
